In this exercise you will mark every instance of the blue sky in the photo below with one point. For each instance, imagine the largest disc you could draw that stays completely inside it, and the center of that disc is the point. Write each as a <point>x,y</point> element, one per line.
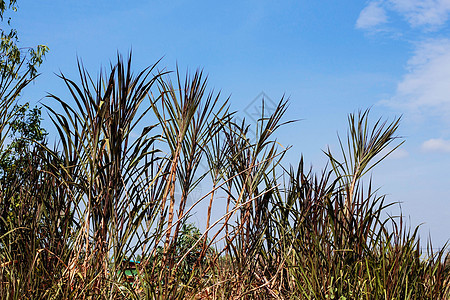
<point>330,58</point>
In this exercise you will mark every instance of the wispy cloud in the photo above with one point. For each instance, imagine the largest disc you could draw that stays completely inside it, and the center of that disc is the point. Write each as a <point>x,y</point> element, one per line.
<point>418,13</point>
<point>436,145</point>
<point>372,15</point>
<point>425,87</point>
<point>423,12</point>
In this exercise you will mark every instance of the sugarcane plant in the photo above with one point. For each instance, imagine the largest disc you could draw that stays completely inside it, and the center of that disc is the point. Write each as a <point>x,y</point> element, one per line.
<point>106,213</point>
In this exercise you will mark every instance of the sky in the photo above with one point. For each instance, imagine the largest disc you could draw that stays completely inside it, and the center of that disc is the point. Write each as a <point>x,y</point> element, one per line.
<point>330,58</point>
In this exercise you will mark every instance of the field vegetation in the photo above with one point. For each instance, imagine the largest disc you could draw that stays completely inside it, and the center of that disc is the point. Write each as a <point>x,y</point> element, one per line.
<point>103,208</point>
<point>104,214</point>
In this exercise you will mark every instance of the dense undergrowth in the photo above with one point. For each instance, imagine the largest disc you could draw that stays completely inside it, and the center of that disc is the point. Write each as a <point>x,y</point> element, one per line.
<point>114,190</point>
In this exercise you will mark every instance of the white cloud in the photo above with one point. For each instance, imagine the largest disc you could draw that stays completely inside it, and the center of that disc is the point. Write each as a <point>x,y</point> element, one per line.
<point>372,15</point>
<point>422,12</point>
<point>426,86</point>
<point>436,145</point>
<point>425,13</point>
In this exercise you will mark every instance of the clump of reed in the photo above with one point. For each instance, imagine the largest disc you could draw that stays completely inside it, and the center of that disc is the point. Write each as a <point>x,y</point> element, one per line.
<point>116,191</point>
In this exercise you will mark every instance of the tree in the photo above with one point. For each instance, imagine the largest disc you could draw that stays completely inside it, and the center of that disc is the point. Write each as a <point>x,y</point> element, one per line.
<point>17,123</point>
<point>17,70</point>
<point>189,238</point>
<point>11,56</point>
<point>28,212</point>
<point>25,130</point>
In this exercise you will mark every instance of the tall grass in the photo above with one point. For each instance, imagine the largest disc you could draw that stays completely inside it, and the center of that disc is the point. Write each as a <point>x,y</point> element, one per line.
<point>104,198</point>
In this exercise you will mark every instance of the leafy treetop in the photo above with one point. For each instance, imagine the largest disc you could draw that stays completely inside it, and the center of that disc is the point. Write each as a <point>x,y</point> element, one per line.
<point>11,56</point>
